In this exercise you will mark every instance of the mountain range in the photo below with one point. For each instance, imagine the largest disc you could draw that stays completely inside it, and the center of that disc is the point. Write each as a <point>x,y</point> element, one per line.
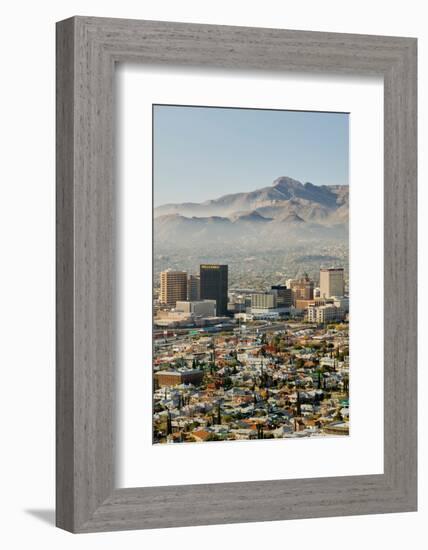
<point>288,210</point>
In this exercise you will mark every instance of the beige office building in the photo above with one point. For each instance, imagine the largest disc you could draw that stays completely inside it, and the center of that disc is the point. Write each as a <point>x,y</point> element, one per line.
<point>265,300</point>
<point>324,314</point>
<point>332,282</point>
<point>173,287</point>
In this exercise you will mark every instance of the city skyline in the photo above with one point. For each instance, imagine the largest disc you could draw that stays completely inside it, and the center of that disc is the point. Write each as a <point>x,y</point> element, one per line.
<point>204,151</point>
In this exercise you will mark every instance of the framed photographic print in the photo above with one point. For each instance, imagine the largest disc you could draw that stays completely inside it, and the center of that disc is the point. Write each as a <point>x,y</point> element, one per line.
<point>236,274</point>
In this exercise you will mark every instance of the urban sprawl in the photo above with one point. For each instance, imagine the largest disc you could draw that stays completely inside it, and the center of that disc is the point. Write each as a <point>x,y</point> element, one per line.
<point>239,364</point>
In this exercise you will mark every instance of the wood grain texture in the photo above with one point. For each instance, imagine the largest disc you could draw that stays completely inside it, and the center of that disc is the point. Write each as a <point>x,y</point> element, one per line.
<point>64,276</point>
<point>87,50</point>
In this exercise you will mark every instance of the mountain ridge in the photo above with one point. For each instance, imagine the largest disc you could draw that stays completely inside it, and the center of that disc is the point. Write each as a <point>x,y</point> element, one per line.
<point>284,193</point>
<point>287,211</point>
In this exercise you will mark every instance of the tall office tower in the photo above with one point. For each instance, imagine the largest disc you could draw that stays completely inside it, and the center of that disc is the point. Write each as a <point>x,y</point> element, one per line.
<point>193,288</point>
<point>332,282</point>
<point>283,295</point>
<point>214,285</point>
<point>173,287</point>
<point>302,289</point>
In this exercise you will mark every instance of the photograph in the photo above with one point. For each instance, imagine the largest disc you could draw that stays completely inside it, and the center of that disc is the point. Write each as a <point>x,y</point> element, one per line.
<point>250,274</point>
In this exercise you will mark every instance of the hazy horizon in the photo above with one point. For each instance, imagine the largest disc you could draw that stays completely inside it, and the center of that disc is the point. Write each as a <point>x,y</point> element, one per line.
<point>203,153</point>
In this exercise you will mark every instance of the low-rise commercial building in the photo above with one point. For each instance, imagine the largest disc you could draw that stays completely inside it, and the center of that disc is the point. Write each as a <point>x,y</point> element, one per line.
<point>324,314</point>
<point>200,308</point>
<point>268,313</point>
<point>342,303</point>
<point>175,378</point>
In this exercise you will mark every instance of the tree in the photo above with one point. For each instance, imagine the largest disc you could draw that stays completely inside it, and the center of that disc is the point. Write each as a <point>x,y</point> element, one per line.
<point>281,346</point>
<point>180,362</point>
<point>168,424</point>
<point>299,363</point>
<point>319,379</point>
<point>218,414</point>
<point>213,353</point>
<point>346,384</point>
<point>298,405</point>
<point>227,382</point>
<point>338,416</point>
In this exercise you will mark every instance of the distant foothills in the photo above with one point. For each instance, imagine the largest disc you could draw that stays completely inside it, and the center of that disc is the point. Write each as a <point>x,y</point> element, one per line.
<point>288,210</point>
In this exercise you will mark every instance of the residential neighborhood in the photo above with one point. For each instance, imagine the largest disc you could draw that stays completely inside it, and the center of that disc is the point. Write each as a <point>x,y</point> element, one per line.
<point>273,377</point>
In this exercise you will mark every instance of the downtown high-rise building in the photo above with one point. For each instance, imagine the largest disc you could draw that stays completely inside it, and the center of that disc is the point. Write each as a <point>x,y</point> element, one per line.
<point>193,288</point>
<point>214,285</point>
<point>302,289</point>
<point>173,287</point>
<point>332,282</point>
<point>284,295</point>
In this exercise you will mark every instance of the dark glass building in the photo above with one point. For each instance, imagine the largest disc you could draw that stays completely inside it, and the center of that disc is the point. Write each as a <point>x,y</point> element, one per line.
<point>284,296</point>
<point>214,285</point>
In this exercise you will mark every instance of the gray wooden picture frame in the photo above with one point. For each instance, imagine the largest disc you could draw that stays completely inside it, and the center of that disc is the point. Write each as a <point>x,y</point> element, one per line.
<point>87,51</point>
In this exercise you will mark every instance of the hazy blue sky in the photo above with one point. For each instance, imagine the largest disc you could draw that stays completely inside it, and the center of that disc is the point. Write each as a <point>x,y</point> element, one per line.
<point>202,153</point>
